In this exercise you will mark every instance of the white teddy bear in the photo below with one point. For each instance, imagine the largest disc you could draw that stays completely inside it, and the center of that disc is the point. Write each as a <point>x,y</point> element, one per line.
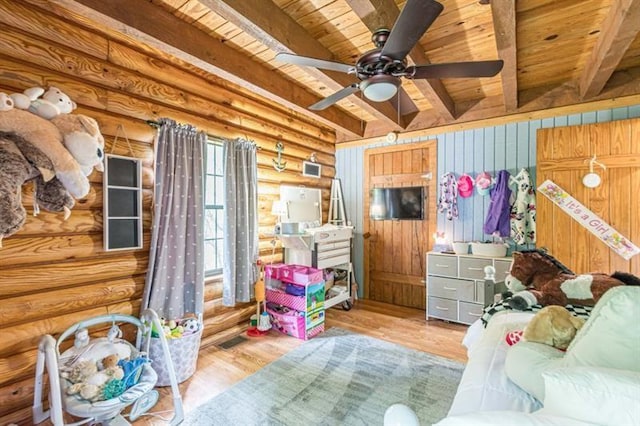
<point>47,104</point>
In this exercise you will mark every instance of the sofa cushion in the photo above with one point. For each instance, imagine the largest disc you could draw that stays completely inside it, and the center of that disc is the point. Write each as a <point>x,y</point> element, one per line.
<point>527,361</point>
<point>611,336</point>
<point>603,396</point>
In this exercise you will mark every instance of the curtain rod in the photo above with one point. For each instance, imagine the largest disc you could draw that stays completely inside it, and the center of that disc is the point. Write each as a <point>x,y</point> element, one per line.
<point>155,124</point>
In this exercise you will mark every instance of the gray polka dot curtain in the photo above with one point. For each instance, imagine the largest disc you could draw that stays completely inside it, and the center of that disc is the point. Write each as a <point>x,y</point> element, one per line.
<point>175,279</point>
<point>241,221</point>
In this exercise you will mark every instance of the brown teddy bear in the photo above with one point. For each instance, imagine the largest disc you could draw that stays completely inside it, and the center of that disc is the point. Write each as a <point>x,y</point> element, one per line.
<point>554,326</point>
<point>52,137</point>
<point>21,162</point>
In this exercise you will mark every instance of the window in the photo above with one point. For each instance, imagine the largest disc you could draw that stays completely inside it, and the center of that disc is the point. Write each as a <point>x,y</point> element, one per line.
<point>214,209</point>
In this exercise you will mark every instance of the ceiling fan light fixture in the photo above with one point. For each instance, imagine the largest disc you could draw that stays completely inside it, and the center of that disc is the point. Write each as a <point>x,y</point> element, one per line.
<point>380,88</point>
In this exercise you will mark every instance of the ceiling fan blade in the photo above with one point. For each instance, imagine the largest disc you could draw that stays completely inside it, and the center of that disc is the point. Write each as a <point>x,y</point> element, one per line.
<point>415,18</point>
<point>456,69</point>
<point>332,99</point>
<point>313,62</point>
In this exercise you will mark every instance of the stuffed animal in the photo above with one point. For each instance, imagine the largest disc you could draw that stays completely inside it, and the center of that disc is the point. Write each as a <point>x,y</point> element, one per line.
<point>538,278</point>
<point>21,162</point>
<point>46,104</point>
<point>83,140</point>
<point>553,326</point>
<point>89,382</point>
<point>49,137</point>
<point>6,103</point>
<point>14,171</point>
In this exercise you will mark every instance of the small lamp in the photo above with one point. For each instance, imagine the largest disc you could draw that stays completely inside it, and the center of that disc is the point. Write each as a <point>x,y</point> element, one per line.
<point>380,88</point>
<point>592,179</point>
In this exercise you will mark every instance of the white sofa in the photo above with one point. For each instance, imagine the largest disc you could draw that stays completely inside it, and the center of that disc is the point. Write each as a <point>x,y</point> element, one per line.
<point>596,382</point>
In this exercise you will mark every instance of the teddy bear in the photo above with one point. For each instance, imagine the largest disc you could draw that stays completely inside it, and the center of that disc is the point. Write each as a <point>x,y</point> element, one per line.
<point>554,326</point>
<point>80,133</point>
<point>90,379</point>
<point>21,162</point>
<point>46,104</point>
<point>49,193</point>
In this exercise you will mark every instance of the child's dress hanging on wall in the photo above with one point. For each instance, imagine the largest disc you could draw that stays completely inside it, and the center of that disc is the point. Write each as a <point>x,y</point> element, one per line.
<point>497,220</point>
<point>523,209</point>
<point>448,198</point>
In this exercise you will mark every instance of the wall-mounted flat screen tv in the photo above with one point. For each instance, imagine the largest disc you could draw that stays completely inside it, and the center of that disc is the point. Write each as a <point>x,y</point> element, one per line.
<point>405,203</point>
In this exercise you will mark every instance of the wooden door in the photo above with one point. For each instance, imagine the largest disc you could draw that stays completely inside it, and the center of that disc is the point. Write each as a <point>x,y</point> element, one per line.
<point>563,157</point>
<point>394,251</point>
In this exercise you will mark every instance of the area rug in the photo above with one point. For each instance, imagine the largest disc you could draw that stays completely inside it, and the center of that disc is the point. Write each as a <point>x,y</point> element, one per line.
<point>337,378</point>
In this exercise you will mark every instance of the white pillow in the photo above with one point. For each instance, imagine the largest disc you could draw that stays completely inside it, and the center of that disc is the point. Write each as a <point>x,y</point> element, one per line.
<point>527,361</point>
<point>611,336</point>
<point>603,396</point>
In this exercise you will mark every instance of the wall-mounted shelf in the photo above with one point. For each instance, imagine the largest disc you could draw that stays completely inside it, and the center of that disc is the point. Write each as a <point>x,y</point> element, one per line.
<point>122,203</point>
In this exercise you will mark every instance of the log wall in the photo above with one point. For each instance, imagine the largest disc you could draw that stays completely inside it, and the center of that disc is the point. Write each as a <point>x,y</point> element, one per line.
<point>54,273</point>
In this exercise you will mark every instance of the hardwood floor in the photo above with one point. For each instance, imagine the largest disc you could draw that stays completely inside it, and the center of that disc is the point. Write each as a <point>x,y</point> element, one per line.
<point>218,368</point>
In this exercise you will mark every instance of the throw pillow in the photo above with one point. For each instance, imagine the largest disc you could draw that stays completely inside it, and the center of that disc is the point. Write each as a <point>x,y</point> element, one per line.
<point>611,336</point>
<point>603,396</point>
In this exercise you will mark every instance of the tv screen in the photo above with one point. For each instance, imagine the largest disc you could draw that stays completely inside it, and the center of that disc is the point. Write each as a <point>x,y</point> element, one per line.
<point>406,203</point>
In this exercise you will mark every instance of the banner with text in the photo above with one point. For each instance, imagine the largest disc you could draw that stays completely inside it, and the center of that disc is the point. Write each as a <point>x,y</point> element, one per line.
<point>589,220</point>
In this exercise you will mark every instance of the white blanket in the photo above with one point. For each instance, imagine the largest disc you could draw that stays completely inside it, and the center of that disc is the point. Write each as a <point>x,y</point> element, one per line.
<point>484,385</point>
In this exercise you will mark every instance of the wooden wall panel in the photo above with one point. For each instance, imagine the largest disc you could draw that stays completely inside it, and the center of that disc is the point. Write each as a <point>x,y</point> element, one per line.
<point>563,156</point>
<point>485,148</point>
<point>53,272</point>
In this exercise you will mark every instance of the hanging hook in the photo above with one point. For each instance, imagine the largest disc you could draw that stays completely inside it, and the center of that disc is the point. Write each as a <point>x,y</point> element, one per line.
<point>593,161</point>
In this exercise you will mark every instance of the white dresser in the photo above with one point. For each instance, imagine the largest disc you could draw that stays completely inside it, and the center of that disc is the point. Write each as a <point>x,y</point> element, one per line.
<point>456,288</point>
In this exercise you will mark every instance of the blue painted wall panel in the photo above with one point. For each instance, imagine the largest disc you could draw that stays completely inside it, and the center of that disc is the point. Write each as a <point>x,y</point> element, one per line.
<point>511,146</point>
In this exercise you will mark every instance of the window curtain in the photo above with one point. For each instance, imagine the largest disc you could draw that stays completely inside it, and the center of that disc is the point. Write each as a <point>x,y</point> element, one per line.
<point>241,221</point>
<point>175,279</point>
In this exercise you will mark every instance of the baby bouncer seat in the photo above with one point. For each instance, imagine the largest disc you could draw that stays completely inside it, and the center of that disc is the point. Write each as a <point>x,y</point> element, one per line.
<point>101,398</point>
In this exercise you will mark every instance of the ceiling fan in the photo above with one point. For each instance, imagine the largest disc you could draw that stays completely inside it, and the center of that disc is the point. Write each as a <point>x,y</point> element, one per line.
<point>380,69</point>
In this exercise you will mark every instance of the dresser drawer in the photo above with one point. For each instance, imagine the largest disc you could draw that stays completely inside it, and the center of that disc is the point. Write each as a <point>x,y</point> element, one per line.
<point>439,264</point>
<point>469,312</point>
<point>502,268</point>
<point>451,288</point>
<point>442,308</point>
<point>473,268</point>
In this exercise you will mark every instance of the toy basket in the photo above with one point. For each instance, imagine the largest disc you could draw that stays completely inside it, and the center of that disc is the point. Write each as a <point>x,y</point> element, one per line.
<point>184,354</point>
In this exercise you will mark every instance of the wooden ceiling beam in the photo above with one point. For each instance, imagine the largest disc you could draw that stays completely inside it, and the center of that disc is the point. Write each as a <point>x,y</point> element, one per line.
<point>271,26</point>
<point>504,25</point>
<point>623,89</point>
<point>382,14</point>
<point>158,28</point>
<point>619,29</point>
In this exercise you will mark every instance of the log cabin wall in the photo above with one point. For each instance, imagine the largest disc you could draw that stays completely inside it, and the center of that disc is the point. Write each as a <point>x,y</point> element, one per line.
<point>54,273</point>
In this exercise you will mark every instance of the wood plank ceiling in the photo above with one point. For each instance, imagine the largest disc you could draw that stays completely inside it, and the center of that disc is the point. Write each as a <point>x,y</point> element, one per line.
<point>556,53</point>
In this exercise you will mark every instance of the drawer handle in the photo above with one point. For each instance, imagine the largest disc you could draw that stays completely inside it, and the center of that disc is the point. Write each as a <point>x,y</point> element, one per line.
<point>449,288</point>
<point>442,266</point>
<point>476,269</point>
<point>472,314</point>
<point>442,309</point>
